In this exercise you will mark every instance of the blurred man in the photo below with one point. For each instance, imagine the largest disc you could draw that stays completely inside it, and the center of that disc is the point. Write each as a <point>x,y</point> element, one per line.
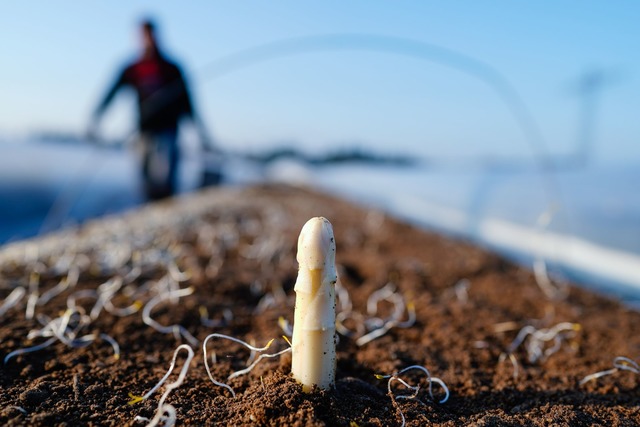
<point>163,99</point>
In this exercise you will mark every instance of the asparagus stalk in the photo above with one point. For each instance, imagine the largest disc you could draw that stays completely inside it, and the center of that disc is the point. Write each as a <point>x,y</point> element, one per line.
<point>313,344</point>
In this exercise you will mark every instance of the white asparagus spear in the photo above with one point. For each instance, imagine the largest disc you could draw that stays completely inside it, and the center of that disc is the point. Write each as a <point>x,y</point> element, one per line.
<point>314,328</point>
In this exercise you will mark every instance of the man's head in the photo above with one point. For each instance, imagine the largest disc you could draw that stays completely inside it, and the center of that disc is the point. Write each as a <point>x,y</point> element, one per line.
<point>149,39</point>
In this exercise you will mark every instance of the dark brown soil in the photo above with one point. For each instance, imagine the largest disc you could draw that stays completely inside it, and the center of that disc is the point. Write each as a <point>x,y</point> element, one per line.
<point>238,248</point>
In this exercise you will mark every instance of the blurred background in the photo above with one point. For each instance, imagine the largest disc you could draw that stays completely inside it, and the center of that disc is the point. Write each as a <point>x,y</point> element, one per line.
<point>514,125</point>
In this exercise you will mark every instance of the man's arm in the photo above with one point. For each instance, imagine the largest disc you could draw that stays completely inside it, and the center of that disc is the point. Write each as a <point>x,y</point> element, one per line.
<point>92,131</point>
<point>106,100</point>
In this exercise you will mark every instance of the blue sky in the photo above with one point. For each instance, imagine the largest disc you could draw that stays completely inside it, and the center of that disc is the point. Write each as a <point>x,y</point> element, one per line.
<point>58,57</point>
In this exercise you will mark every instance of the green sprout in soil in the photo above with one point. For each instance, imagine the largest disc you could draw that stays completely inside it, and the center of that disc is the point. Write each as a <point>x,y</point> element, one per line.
<point>34,293</point>
<point>371,326</point>
<point>175,273</point>
<point>276,297</point>
<point>620,363</point>
<point>12,300</point>
<point>68,282</point>
<point>286,326</point>
<point>105,294</point>
<point>227,318</point>
<point>65,329</point>
<point>176,330</point>
<point>540,344</point>
<point>251,363</point>
<point>25,350</point>
<point>170,418</point>
<point>415,390</point>
<point>379,326</point>
<point>346,314</point>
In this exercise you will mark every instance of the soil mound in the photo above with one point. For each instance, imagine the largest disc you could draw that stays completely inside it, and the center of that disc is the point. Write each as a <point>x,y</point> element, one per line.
<point>110,302</point>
